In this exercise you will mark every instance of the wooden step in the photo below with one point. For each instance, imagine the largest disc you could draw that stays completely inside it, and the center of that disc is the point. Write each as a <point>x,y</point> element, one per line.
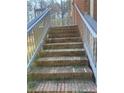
<point>63,35</point>
<point>63,86</point>
<point>63,45</point>
<point>62,52</point>
<point>61,61</point>
<point>62,31</point>
<point>63,40</point>
<point>64,28</point>
<point>61,72</point>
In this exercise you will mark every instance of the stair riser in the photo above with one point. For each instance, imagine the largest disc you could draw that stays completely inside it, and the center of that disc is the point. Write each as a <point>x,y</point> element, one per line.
<point>63,40</point>
<point>63,35</point>
<point>65,28</point>
<point>62,31</point>
<point>55,54</point>
<point>60,92</point>
<point>62,63</point>
<point>59,46</point>
<point>55,76</point>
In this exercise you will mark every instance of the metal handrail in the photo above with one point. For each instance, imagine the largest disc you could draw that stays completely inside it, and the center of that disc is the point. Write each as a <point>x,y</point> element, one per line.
<point>34,22</point>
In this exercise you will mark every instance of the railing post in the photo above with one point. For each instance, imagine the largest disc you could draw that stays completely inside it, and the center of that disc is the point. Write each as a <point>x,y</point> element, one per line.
<point>95,50</point>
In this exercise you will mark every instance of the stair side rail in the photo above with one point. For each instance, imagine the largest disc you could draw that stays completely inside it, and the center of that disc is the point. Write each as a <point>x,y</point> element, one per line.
<point>36,32</point>
<point>89,37</point>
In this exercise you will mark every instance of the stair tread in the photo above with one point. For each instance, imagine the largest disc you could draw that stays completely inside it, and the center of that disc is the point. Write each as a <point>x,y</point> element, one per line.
<point>64,43</point>
<point>63,32</point>
<point>63,50</point>
<point>65,38</point>
<point>62,69</point>
<point>66,85</point>
<point>67,27</point>
<point>61,58</point>
<point>61,45</point>
<point>57,35</point>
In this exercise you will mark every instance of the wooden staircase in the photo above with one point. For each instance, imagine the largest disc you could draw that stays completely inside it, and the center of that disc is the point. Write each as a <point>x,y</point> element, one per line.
<point>62,66</point>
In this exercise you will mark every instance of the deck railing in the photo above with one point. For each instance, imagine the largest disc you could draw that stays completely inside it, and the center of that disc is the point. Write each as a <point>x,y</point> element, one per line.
<point>36,33</point>
<point>89,36</point>
<point>37,30</point>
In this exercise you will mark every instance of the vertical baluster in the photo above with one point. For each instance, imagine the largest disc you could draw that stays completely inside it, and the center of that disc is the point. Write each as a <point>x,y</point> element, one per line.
<point>89,42</point>
<point>29,47</point>
<point>36,37</point>
<point>28,50</point>
<point>32,46</point>
<point>95,50</point>
<point>85,35</point>
<point>41,28</point>
<point>81,29</point>
<point>49,19</point>
<point>86,40</point>
<point>29,43</point>
<point>31,38</point>
<point>39,32</point>
<point>33,43</point>
<point>92,41</point>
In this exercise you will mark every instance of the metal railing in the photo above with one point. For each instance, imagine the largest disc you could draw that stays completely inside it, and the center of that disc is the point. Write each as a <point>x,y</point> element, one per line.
<point>89,37</point>
<point>36,32</point>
